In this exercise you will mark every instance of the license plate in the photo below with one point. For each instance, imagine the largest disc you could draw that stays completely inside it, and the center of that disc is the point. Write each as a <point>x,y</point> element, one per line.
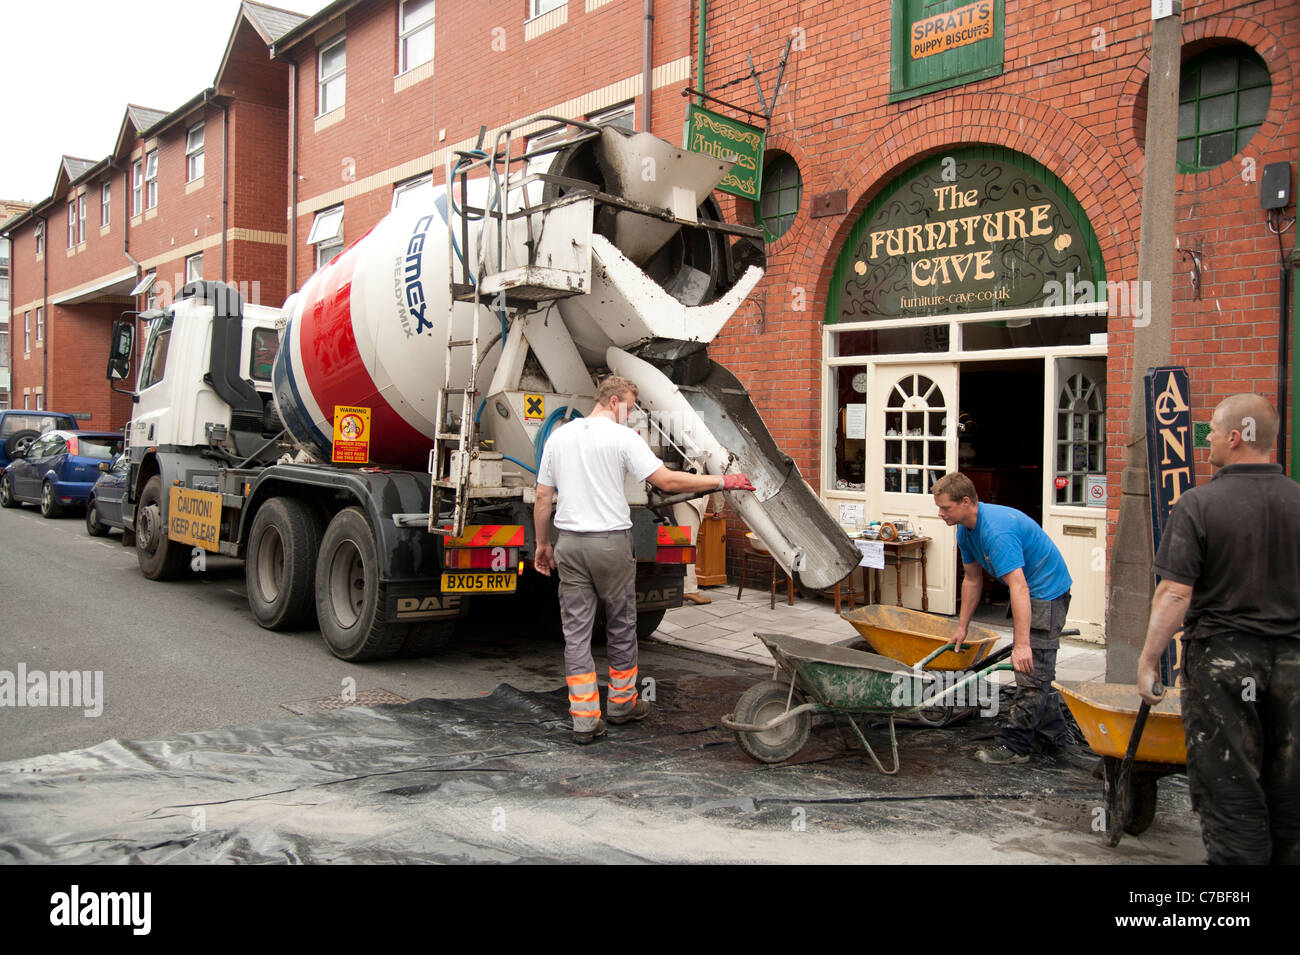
<point>479,583</point>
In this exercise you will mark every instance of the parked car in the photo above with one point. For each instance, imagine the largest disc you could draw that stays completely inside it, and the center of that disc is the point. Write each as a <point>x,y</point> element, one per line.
<point>58,469</point>
<point>20,427</point>
<point>104,505</point>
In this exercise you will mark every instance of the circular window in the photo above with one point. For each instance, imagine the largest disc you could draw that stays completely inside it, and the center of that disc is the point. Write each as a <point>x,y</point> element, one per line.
<point>1222,99</point>
<point>782,194</point>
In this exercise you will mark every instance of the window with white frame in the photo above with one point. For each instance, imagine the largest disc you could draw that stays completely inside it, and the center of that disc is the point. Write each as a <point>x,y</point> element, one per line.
<point>137,187</point>
<point>27,331</point>
<point>72,223</point>
<point>27,401</point>
<point>620,116</point>
<point>415,34</point>
<point>331,72</point>
<point>105,203</point>
<point>40,324</point>
<point>194,267</point>
<point>413,192</point>
<point>151,179</point>
<point>81,218</point>
<point>194,153</point>
<point>40,239</point>
<point>327,234</point>
<point>537,7</point>
<point>39,397</point>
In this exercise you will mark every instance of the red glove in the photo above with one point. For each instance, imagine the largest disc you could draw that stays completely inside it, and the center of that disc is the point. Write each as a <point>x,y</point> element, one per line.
<point>736,482</point>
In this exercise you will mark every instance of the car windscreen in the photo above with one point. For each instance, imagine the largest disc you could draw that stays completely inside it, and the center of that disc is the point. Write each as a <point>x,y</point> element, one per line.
<point>12,423</point>
<point>101,449</point>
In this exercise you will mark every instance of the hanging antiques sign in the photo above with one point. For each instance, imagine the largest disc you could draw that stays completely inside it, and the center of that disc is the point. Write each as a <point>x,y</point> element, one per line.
<point>721,137</point>
<point>962,233</point>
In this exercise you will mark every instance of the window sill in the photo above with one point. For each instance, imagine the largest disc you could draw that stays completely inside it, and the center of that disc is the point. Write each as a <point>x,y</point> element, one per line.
<point>546,22</point>
<point>105,230</point>
<point>137,219</point>
<point>194,185</point>
<point>150,213</point>
<point>326,120</point>
<point>597,4</point>
<point>416,74</point>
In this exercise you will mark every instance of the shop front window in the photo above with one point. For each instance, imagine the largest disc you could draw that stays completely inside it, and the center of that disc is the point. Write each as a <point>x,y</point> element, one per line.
<point>916,436</point>
<point>1080,438</point>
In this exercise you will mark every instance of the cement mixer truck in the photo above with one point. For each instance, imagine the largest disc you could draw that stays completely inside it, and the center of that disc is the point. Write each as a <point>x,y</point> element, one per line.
<point>369,450</point>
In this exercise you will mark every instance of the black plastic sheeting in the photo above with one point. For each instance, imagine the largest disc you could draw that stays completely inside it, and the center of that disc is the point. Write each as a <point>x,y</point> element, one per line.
<point>498,779</point>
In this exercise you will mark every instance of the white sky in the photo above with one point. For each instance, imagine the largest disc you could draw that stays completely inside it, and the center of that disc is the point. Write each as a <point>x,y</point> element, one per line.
<point>68,69</point>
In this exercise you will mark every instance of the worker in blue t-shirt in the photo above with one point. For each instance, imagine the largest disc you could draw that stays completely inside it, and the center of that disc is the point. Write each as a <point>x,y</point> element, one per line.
<point>1009,545</point>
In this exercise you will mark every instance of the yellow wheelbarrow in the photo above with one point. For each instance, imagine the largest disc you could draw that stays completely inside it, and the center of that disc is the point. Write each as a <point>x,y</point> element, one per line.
<point>918,640</point>
<point>1138,744</point>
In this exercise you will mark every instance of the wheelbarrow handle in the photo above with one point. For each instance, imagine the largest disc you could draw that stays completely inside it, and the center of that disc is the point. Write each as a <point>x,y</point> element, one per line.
<point>1139,724</point>
<point>936,654</point>
<point>960,683</point>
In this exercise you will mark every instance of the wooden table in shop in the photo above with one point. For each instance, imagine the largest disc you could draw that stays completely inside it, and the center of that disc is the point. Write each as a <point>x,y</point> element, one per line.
<point>898,550</point>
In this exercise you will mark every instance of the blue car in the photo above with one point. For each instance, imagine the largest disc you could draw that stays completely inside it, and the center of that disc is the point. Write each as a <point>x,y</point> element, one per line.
<point>104,506</point>
<point>58,469</point>
<point>20,427</point>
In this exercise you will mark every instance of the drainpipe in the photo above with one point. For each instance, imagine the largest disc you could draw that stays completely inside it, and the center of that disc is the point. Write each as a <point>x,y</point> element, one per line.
<point>647,64</point>
<point>126,227</point>
<point>293,178</point>
<point>699,52</point>
<point>225,182</point>
<point>45,311</point>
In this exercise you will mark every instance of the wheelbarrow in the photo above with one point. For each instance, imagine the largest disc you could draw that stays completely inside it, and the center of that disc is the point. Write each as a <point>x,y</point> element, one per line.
<point>1137,744</point>
<point>913,638</point>
<point>772,720</point>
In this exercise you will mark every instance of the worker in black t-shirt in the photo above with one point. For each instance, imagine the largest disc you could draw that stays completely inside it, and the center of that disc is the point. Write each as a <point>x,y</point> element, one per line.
<point>1229,563</point>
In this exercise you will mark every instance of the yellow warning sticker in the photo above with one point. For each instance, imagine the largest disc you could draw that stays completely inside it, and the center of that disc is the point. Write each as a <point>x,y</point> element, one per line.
<point>534,407</point>
<point>351,435</point>
<point>193,517</point>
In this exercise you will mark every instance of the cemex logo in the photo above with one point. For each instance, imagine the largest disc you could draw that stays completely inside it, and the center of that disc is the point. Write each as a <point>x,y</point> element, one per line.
<point>75,908</point>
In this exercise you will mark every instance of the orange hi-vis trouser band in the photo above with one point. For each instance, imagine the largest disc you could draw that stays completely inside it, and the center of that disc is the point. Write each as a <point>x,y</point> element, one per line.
<point>584,701</point>
<point>622,691</point>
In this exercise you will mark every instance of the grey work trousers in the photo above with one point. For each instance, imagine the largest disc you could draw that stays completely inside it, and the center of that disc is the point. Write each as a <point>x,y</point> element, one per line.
<point>1037,705</point>
<point>598,567</point>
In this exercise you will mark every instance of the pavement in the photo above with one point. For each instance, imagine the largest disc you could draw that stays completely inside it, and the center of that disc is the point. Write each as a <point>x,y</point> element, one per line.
<point>726,627</point>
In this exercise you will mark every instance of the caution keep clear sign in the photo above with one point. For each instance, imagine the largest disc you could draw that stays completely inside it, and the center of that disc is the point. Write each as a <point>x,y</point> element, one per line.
<point>194,517</point>
<point>351,435</point>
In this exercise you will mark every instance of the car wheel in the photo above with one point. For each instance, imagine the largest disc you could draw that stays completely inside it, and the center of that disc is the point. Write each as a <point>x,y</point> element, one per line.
<point>280,568</point>
<point>350,603</point>
<point>159,558</point>
<point>7,498</point>
<point>18,443</point>
<point>49,506</point>
<point>93,526</point>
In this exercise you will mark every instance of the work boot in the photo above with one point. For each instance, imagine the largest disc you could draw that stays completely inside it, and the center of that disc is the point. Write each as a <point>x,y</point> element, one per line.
<point>640,710</point>
<point>583,737</point>
<point>1000,755</point>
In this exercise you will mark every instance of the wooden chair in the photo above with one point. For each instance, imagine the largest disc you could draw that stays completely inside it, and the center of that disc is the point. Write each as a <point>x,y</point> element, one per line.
<point>756,553</point>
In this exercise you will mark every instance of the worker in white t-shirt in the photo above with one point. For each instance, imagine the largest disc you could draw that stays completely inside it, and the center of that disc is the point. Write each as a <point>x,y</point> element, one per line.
<point>588,461</point>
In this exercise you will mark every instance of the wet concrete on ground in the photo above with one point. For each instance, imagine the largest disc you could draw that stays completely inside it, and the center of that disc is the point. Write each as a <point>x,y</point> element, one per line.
<point>498,779</point>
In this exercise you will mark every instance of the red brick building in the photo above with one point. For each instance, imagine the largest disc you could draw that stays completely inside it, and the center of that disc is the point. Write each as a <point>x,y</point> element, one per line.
<point>383,93</point>
<point>195,193</point>
<point>895,124</point>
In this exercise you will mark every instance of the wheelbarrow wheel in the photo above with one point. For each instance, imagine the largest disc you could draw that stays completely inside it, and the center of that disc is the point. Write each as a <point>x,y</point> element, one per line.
<point>1141,803</point>
<point>761,704</point>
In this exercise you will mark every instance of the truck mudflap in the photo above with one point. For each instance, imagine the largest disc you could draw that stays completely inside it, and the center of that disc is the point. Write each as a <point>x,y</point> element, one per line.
<point>415,602</point>
<point>715,420</point>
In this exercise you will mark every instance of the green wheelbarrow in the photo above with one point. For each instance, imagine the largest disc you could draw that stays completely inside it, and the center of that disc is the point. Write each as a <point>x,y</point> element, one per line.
<point>772,720</point>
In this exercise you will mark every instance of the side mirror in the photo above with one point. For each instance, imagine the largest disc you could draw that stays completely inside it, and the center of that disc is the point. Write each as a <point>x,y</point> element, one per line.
<point>123,344</point>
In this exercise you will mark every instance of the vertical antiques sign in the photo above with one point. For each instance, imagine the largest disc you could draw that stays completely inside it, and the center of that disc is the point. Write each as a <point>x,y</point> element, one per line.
<point>1171,467</point>
<point>722,137</point>
<point>965,232</point>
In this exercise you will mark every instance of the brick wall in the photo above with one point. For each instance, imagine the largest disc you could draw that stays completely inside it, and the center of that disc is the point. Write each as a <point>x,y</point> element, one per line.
<point>1067,99</point>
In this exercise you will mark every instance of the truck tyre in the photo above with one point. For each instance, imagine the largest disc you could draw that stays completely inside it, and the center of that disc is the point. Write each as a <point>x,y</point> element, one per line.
<point>159,558</point>
<point>50,508</point>
<point>647,622</point>
<point>280,564</point>
<point>349,600</point>
<point>7,498</point>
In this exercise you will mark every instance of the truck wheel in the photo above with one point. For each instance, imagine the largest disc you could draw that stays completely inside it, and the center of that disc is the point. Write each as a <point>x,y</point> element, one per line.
<point>280,566</point>
<point>7,498</point>
<point>50,508</point>
<point>349,604</point>
<point>94,526</point>
<point>159,558</point>
<point>647,622</point>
